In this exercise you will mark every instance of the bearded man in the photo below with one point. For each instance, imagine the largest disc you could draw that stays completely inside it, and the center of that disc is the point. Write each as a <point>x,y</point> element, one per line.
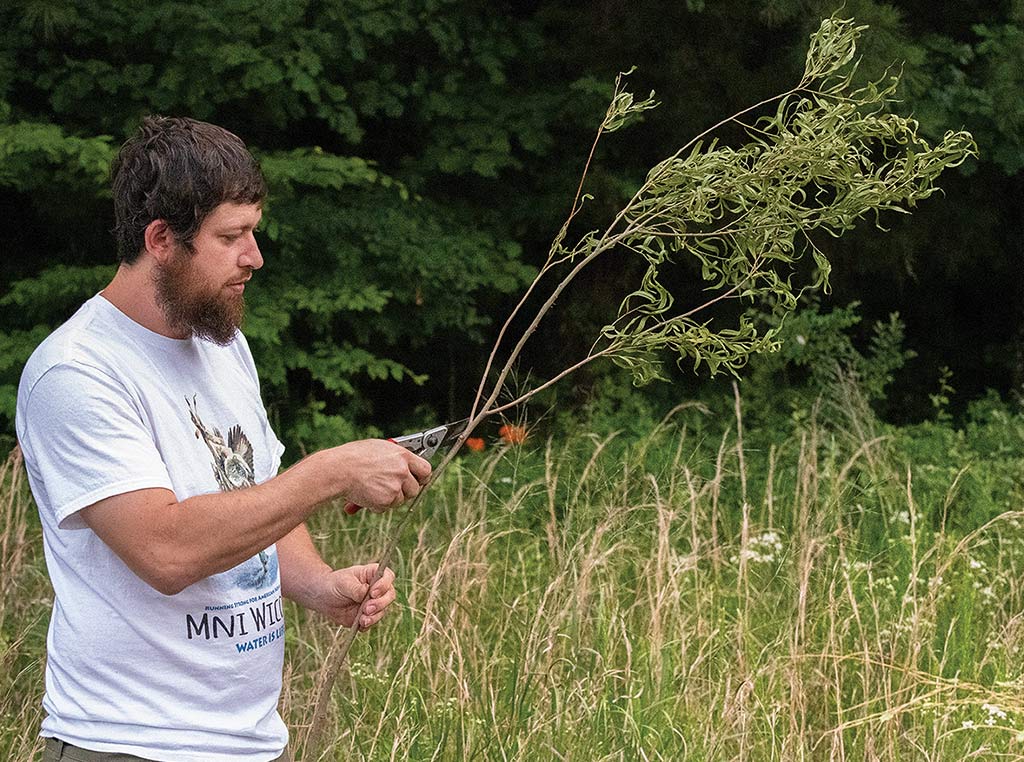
<point>170,536</point>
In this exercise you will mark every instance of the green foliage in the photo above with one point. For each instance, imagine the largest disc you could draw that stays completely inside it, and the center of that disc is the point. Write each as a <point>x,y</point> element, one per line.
<point>830,155</point>
<point>58,289</point>
<point>940,399</point>
<point>980,83</point>
<point>457,126</point>
<point>33,155</point>
<point>263,70</point>
<point>592,558</point>
<point>814,346</point>
<point>967,473</point>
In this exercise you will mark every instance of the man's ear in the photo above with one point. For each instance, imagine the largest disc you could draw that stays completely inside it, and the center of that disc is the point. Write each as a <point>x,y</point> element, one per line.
<point>160,241</point>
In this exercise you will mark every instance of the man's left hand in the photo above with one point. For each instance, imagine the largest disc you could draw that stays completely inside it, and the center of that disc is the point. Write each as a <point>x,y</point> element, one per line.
<point>344,589</point>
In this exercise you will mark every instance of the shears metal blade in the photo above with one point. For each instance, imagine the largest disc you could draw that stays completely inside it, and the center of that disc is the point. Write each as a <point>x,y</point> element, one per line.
<point>427,443</point>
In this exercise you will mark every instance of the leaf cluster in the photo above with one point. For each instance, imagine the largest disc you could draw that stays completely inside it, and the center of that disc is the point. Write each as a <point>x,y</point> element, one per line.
<point>830,155</point>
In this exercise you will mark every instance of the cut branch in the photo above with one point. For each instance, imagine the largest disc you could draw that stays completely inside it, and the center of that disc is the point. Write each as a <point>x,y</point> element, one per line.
<point>828,156</point>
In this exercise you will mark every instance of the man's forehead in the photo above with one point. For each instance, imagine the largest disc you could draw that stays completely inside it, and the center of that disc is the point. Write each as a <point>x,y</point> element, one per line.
<point>230,214</point>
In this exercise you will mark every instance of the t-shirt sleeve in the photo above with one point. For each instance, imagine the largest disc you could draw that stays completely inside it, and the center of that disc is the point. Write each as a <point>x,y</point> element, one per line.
<point>87,441</point>
<point>274,446</point>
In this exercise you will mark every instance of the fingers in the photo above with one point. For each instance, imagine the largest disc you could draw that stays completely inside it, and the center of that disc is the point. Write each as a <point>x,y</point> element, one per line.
<point>382,595</point>
<point>419,474</point>
<point>367,575</point>
<point>398,498</point>
<point>410,487</point>
<point>351,584</point>
<point>375,610</point>
<point>385,583</point>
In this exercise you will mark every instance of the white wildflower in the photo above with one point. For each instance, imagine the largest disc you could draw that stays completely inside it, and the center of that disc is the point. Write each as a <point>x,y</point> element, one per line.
<point>994,711</point>
<point>761,549</point>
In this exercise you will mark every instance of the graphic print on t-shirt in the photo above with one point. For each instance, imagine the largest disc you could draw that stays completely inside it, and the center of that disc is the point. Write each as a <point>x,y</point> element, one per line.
<point>233,469</point>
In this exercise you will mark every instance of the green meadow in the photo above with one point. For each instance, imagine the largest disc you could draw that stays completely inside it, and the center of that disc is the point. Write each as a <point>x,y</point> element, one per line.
<point>716,585</point>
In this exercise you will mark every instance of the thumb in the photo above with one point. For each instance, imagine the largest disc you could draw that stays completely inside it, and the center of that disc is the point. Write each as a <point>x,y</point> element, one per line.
<point>369,573</point>
<point>365,573</point>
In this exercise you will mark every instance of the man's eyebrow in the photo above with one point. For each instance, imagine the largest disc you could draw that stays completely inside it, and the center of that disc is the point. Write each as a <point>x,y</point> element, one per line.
<point>229,227</point>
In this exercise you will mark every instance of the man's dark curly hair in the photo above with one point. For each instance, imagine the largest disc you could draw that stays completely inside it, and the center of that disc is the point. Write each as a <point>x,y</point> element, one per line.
<point>178,170</point>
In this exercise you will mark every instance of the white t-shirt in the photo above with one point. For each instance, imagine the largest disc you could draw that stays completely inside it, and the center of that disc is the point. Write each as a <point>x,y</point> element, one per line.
<point>106,406</point>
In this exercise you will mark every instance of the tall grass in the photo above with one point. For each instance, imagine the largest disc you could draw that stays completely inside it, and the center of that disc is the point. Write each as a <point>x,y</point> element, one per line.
<point>708,592</point>
<point>25,598</point>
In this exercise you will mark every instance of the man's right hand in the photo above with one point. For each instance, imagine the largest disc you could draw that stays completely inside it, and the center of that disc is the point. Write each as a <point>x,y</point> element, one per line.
<point>377,474</point>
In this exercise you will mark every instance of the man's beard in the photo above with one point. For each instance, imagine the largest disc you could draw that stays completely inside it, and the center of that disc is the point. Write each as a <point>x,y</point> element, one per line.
<point>190,307</point>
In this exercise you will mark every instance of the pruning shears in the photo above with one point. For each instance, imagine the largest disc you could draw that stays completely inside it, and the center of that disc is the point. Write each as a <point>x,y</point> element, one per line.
<point>425,444</point>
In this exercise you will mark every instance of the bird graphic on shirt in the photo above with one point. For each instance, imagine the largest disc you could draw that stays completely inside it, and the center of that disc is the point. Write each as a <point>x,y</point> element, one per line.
<point>232,460</point>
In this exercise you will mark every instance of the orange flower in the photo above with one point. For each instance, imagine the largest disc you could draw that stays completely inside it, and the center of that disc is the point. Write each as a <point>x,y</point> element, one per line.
<point>476,444</point>
<point>512,434</point>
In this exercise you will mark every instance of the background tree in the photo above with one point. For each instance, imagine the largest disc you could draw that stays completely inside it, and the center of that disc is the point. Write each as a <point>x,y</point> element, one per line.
<point>420,154</point>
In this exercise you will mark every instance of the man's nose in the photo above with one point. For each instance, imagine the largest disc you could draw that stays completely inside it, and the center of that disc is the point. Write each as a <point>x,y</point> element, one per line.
<point>251,257</point>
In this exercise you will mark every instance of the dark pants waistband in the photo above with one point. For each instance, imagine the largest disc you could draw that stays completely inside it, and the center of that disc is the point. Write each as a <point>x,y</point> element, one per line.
<point>61,751</point>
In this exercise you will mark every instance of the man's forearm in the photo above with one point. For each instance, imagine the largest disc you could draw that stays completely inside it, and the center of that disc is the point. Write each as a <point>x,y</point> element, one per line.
<point>302,567</point>
<point>226,528</point>
<point>172,544</point>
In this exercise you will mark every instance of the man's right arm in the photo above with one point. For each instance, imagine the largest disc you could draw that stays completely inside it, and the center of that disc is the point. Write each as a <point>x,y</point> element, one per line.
<point>87,444</point>
<point>171,544</point>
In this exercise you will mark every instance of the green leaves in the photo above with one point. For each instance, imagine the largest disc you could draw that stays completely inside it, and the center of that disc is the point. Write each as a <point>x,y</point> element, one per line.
<point>980,83</point>
<point>623,109</point>
<point>60,288</point>
<point>832,47</point>
<point>29,152</point>
<point>285,170</point>
<point>828,156</point>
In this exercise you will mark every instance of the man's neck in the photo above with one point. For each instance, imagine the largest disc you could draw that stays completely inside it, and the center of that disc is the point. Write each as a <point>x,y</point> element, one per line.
<point>133,291</point>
